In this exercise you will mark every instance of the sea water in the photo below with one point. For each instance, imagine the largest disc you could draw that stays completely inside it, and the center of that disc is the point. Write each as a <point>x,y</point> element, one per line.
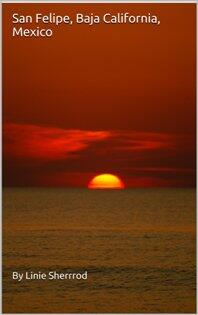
<point>136,245</point>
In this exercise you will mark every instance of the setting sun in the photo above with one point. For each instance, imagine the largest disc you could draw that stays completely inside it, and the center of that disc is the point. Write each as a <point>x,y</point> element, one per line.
<point>106,181</point>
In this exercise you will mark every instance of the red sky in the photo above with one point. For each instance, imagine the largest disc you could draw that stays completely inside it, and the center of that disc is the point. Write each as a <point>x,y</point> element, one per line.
<point>117,99</point>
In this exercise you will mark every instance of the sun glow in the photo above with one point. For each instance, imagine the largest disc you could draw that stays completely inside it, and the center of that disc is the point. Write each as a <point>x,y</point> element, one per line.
<point>106,181</point>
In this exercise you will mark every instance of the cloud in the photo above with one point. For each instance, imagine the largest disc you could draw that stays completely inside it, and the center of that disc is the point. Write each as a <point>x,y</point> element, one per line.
<point>39,142</point>
<point>41,155</point>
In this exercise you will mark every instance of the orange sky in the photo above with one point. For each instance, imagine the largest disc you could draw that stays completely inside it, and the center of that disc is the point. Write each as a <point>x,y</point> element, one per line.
<point>102,99</point>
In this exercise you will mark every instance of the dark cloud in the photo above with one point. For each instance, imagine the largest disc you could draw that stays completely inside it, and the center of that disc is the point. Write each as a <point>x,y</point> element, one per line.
<point>38,155</point>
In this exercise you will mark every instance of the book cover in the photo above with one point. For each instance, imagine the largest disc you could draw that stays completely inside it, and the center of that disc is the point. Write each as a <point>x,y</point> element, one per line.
<point>99,129</point>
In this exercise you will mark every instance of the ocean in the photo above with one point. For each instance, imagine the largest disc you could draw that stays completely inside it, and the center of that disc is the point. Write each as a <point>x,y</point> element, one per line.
<point>137,246</point>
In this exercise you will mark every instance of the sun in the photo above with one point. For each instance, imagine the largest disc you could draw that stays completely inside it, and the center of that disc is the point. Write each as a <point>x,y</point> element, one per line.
<point>106,181</point>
